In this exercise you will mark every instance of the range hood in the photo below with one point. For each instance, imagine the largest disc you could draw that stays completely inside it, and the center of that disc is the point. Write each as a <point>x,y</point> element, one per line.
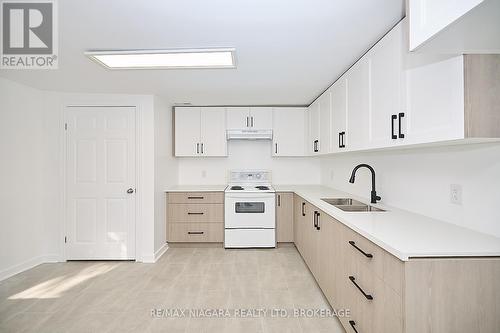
<point>249,134</point>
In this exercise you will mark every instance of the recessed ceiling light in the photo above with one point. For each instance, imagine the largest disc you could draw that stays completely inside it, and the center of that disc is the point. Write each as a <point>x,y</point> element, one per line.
<point>165,59</point>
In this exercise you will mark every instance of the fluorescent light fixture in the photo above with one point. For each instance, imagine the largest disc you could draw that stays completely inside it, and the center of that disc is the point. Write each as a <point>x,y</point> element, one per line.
<point>165,59</point>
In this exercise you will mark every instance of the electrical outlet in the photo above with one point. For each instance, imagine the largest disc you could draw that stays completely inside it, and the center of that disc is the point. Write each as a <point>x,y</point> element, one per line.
<point>456,194</point>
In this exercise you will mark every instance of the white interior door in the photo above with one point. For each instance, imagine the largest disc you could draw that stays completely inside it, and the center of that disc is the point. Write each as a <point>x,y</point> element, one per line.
<point>100,183</point>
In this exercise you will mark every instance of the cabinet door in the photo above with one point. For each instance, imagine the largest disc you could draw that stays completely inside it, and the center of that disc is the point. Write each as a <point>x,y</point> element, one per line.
<point>298,222</point>
<point>357,105</point>
<point>289,131</point>
<point>187,131</point>
<point>385,90</point>
<point>434,97</point>
<point>213,131</point>
<point>238,117</point>
<point>339,135</point>
<point>325,130</point>
<point>261,118</point>
<point>284,217</point>
<point>314,128</point>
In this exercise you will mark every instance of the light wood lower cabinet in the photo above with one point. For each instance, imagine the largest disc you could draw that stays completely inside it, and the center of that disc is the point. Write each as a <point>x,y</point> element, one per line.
<point>386,295</point>
<point>284,217</point>
<point>195,217</point>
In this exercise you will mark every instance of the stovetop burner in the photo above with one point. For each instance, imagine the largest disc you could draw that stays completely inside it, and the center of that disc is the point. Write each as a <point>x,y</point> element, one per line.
<point>236,188</point>
<point>262,188</point>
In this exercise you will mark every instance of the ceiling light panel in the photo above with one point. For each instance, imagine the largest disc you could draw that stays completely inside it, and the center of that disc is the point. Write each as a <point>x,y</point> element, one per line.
<point>165,59</point>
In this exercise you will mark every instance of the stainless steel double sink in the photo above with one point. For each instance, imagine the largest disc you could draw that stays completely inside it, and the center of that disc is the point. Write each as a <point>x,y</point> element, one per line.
<point>351,205</point>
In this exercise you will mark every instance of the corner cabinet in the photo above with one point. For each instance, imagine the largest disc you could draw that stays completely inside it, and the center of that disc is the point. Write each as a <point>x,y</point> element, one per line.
<point>200,131</point>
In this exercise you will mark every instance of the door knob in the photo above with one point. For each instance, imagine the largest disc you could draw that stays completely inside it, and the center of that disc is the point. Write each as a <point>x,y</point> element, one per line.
<point>130,191</point>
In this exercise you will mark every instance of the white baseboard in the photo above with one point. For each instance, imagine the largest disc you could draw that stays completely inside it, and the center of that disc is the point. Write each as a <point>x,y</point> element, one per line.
<point>28,264</point>
<point>152,258</point>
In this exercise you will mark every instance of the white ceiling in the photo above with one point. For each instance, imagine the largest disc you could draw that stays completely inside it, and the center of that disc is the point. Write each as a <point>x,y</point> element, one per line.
<point>288,51</point>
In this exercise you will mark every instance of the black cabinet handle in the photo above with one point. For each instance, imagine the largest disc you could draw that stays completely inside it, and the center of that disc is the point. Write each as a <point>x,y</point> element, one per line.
<point>393,136</point>
<point>190,213</point>
<point>195,232</point>
<point>276,148</point>
<point>343,142</point>
<point>368,255</point>
<point>367,296</point>
<point>197,148</point>
<point>247,122</point>
<point>401,135</point>
<point>316,149</point>
<point>303,209</point>
<point>353,323</point>
<point>251,118</point>
<point>199,198</point>
<point>279,200</point>
<point>318,220</point>
<point>202,151</point>
<point>340,139</point>
<point>315,221</point>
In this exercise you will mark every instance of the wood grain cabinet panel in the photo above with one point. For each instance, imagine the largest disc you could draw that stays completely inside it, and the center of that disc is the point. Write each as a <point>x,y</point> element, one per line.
<point>284,216</point>
<point>196,197</point>
<point>209,213</point>
<point>196,232</point>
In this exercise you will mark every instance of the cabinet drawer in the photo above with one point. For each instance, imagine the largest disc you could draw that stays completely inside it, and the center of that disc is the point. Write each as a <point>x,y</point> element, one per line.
<point>376,307</point>
<point>195,232</point>
<point>196,197</point>
<point>209,213</point>
<point>383,265</point>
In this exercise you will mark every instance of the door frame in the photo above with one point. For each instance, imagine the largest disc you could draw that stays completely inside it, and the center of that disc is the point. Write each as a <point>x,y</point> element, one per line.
<point>139,221</point>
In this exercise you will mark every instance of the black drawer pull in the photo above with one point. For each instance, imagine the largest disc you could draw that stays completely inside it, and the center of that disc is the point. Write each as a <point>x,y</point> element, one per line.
<point>368,255</point>
<point>353,280</point>
<point>199,198</point>
<point>353,323</point>
<point>195,232</point>
<point>303,209</point>
<point>318,215</point>
<point>190,213</point>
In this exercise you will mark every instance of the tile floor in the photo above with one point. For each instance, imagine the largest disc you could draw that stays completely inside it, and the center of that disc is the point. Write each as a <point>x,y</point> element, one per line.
<point>120,296</point>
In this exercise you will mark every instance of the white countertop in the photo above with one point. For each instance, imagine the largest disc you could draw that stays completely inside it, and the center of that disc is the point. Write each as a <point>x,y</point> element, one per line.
<point>401,233</point>
<point>196,188</point>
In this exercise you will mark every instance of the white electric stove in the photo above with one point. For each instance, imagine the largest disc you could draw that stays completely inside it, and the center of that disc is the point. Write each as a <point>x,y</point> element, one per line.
<point>250,219</point>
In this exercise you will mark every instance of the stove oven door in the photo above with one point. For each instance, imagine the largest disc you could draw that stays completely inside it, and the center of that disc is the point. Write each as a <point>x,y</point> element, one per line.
<point>250,210</point>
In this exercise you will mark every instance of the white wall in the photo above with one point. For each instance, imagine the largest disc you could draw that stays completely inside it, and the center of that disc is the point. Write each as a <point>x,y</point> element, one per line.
<point>166,168</point>
<point>26,204</point>
<point>249,155</point>
<point>419,180</point>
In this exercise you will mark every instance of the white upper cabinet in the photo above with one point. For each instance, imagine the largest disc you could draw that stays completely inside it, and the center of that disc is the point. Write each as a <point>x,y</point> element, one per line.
<point>339,136</point>
<point>238,117</point>
<point>213,131</point>
<point>313,137</point>
<point>261,118</point>
<point>200,131</point>
<point>289,131</point>
<point>358,116</point>
<point>257,118</point>
<point>325,130</point>
<point>187,131</point>
<point>387,113</point>
<point>454,27</point>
